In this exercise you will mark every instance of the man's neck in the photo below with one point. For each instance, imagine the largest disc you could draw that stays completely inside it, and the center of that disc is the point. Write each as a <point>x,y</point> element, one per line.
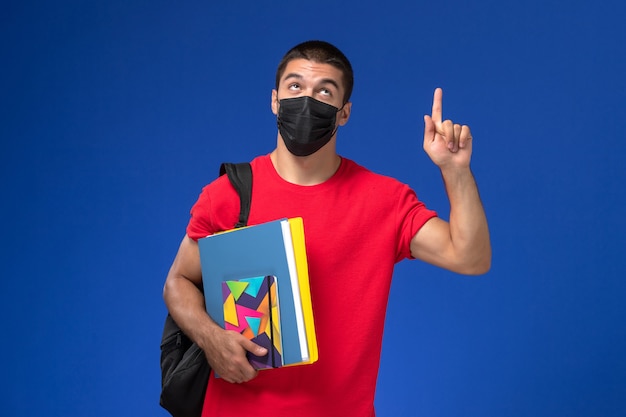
<point>308,170</point>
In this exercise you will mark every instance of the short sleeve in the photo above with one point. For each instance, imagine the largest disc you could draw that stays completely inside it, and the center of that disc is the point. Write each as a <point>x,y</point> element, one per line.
<point>216,210</point>
<point>412,215</point>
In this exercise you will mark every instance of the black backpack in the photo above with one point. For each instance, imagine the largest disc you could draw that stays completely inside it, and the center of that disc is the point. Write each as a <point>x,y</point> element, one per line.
<point>184,368</point>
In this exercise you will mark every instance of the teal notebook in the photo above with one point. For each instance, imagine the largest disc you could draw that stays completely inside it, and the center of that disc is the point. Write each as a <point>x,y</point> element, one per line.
<point>258,250</point>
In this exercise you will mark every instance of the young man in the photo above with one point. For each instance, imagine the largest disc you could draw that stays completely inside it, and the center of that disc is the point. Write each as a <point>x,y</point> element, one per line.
<point>358,225</point>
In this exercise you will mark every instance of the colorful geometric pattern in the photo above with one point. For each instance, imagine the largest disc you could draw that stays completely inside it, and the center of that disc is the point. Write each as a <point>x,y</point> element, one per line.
<point>251,309</point>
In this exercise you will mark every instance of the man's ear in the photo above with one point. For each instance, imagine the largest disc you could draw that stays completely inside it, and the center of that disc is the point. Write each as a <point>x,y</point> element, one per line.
<point>275,102</point>
<point>344,114</point>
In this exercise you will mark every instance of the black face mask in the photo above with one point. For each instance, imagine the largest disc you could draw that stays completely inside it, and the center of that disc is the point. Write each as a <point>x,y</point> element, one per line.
<point>306,124</point>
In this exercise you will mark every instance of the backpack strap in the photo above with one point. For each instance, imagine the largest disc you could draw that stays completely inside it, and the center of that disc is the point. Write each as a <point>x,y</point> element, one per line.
<point>240,176</point>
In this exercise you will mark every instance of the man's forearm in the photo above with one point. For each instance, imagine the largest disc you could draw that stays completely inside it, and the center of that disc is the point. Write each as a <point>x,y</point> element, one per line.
<point>469,231</point>
<point>185,303</point>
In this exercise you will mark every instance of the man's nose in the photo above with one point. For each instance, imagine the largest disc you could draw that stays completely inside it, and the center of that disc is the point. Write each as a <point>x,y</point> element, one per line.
<point>308,92</point>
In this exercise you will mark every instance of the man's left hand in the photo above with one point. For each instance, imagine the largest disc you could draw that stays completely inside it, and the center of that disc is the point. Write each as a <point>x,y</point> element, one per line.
<point>448,145</point>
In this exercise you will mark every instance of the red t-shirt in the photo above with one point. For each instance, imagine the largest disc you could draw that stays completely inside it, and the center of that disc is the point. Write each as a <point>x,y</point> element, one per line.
<point>357,226</point>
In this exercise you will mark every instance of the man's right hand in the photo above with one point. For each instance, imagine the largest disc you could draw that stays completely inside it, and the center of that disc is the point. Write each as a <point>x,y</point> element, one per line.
<point>226,353</point>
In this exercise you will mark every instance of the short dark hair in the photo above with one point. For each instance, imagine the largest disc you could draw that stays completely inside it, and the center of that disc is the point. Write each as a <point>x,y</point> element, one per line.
<point>323,53</point>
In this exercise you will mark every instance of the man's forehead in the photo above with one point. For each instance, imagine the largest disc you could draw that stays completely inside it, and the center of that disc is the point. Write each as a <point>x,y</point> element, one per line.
<point>314,71</point>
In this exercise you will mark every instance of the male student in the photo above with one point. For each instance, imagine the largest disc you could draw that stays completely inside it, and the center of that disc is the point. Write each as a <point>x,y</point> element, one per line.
<point>358,225</point>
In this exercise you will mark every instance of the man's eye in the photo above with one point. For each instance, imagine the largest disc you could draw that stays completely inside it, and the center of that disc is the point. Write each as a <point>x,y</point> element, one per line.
<point>294,86</point>
<point>325,92</point>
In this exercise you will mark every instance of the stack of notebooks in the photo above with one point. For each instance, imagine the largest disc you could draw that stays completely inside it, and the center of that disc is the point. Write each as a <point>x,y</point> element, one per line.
<point>256,282</point>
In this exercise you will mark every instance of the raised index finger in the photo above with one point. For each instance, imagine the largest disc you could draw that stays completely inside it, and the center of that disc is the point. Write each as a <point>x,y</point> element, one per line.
<point>437,104</point>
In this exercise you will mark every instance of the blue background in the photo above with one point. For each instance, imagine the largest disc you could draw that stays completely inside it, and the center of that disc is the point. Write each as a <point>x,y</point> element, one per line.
<point>115,114</point>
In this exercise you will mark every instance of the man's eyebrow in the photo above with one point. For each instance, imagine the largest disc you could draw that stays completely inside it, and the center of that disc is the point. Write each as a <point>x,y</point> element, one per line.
<point>330,81</point>
<point>292,75</point>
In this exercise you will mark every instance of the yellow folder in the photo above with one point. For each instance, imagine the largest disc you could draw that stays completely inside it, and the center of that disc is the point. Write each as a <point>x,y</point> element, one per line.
<point>297,235</point>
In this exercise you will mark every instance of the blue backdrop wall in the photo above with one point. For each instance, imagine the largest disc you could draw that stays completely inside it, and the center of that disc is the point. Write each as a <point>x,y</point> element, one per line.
<point>115,114</point>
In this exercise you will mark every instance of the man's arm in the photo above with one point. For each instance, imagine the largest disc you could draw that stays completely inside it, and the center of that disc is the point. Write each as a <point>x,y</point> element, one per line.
<point>225,350</point>
<point>463,244</point>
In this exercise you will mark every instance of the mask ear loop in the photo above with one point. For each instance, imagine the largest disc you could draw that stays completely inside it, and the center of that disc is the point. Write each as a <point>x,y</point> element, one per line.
<point>337,127</point>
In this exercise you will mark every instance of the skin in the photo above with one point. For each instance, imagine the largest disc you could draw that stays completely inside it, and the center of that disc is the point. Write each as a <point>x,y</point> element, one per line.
<point>461,245</point>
